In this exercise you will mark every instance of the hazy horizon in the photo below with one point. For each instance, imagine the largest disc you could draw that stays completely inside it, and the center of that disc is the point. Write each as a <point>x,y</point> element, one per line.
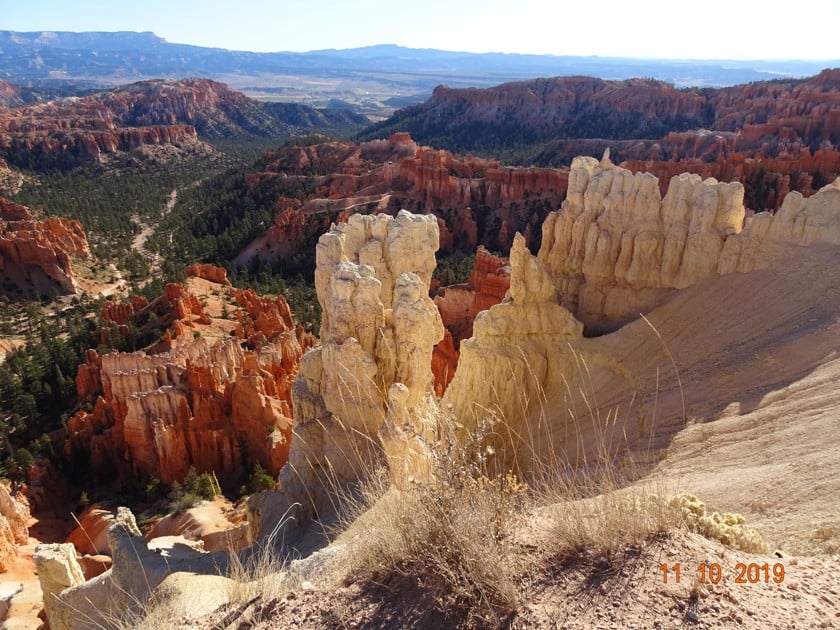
<point>722,30</point>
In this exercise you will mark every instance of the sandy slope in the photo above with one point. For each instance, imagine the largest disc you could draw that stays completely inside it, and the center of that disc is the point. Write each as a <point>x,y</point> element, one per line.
<point>759,360</point>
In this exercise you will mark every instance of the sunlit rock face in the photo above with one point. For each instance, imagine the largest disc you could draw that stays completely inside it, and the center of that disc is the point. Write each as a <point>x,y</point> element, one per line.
<point>616,248</point>
<point>35,255</point>
<point>14,517</point>
<point>214,393</point>
<point>356,393</point>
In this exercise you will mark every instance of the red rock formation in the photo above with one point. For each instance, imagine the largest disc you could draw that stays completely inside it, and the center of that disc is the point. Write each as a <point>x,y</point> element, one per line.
<point>208,272</point>
<point>88,381</point>
<point>473,197</point>
<point>90,536</point>
<point>93,565</point>
<point>458,306</point>
<point>444,363</point>
<point>38,251</point>
<point>708,131</point>
<point>204,401</point>
<point>64,132</point>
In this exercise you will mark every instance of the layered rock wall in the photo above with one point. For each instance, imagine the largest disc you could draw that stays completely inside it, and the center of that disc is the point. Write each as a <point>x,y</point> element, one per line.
<point>32,251</point>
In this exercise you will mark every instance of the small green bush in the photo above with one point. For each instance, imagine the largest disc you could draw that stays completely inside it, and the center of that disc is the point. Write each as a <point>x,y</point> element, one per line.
<point>730,529</point>
<point>260,480</point>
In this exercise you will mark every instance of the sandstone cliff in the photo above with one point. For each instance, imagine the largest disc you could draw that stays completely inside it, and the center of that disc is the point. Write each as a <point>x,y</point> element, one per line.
<point>772,136</point>
<point>35,255</point>
<point>549,117</point>
<point>358,394</point>
<point>64,133</point>
<point>198,397</point>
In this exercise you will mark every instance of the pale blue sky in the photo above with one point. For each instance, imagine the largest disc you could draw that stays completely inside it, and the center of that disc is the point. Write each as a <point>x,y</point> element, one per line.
<point>708,29</point>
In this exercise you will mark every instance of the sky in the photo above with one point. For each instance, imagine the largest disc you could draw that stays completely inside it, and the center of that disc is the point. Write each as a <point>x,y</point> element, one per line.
<point>709,29</point>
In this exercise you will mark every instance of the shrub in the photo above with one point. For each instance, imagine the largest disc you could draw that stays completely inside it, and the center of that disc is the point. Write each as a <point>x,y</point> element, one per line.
<point>196,488</point>
<point>260,480</point>
<point>730,529</point>
<point>203,486</point>
<point>155,490</point>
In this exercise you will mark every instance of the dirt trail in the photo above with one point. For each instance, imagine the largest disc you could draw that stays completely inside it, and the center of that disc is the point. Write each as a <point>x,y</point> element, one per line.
<point>146,230</point>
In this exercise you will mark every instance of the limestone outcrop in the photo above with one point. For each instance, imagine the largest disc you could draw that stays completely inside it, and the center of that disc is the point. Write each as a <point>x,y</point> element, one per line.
<point>138,568</point>
<point>561,117</point>
<point>355,393</point>
<point>215,393</point>
<point>616,248</point>
<point>14,517</point>
<point>506,363</point>
<point>35,255</point>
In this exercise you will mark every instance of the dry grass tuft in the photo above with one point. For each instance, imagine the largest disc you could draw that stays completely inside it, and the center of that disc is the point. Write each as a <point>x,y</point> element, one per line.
<point>451,536</point>
<point>607,524</point>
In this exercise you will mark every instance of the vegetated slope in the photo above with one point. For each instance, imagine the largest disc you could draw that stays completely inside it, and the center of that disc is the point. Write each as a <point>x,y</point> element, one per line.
<point>270,215</point>
<point>547,121</point>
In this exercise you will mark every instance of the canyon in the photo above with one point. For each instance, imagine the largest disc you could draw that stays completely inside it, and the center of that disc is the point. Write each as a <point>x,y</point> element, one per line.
<point>477,201</point>
<point>365,394</point>
<point>679,291</point>
<point>179,115</point>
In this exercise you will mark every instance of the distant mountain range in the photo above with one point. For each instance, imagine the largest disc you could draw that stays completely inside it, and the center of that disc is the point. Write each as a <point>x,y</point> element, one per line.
<point>375,79</point>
